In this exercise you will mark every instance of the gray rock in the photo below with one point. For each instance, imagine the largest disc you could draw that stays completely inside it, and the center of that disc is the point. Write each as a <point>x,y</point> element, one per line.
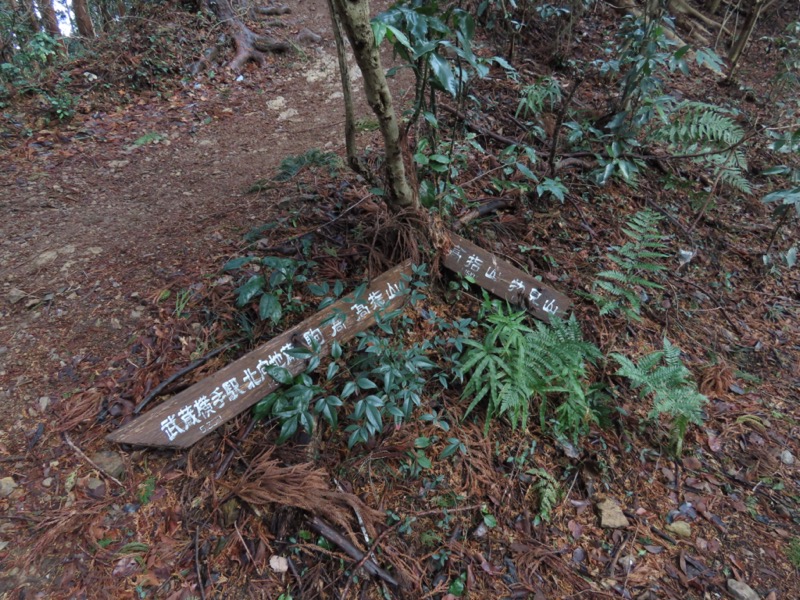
<point>787,457</point>
<point>95,488</point>
<point>15,295</point>
<point>7,486</point>
<point>110,462</point>
<point>611,516</point>
<point>741,591</point>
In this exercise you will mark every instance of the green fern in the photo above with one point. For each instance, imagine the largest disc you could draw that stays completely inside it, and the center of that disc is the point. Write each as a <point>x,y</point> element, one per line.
<point>548,492</point>
<point>701,128</point>
<point>663,376</point>
<point>617,289</point>
<point>515,364</point>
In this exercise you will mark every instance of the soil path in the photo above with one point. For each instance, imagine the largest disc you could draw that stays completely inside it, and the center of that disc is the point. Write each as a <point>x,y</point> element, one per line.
<point>86,240</point>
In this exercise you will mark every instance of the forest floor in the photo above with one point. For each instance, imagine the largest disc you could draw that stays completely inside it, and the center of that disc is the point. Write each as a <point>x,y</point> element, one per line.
<point>113,231</point>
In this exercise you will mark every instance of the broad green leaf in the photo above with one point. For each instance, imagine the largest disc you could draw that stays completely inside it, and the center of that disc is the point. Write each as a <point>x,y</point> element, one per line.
<point>253,287</point>
<point>280,374</point>
<point>443,74</point>
<point>269,308</point>
<point>237,263</point>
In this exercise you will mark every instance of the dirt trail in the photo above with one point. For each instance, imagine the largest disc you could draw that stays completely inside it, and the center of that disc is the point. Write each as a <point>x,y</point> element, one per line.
<point>86,240</point>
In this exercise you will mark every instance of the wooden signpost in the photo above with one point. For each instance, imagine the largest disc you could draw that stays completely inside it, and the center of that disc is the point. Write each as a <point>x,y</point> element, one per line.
<point>503,279</point>
<point>197,411</point>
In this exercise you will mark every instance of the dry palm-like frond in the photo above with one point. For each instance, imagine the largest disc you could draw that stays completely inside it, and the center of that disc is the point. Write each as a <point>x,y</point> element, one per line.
<point>303,487</point>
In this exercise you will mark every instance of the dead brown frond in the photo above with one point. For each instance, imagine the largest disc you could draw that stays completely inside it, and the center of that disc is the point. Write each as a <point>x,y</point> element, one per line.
<point>80,409</point>
<point>303,487</point>
<point>716,379</point>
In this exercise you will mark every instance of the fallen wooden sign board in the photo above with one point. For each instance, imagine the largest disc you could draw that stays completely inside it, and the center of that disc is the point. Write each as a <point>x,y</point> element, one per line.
<point>202,408</point>
<point>197,411</point>
<point>503,279</point>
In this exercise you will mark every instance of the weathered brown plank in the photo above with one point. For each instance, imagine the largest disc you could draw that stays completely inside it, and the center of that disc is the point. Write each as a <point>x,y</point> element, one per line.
<point>197,411</point>
<point>503,279</point>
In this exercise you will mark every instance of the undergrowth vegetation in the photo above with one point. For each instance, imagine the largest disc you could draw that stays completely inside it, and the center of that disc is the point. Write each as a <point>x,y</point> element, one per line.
<point>604,173</point>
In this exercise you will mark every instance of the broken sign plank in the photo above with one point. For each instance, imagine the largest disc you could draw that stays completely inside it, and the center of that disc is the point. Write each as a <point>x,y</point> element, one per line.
<point>197,411</point>
<point>503,279</point>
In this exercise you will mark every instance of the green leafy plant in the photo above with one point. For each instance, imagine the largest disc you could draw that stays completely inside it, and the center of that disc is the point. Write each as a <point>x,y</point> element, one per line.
<point>291,166</point>
<point>621,287</point>
<point>793,553</point>
<point>663,377</point>
<point>789,196</point>
<point>548,493</point>
<point>385,380</point>
<point>267,289</point>
<point>710,134</point>
<point>515,364</point>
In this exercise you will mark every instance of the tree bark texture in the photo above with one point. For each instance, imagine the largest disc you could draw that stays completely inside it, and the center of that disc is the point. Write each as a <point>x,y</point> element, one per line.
<point>354,17</point>
<point>745,34</point>
<point>29,13</point>
<point>49,19</point>
<point>80,8</point>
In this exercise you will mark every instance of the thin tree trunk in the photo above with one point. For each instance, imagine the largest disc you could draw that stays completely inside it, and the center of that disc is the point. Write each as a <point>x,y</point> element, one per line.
<point>354,16</point>
<point>712,6</point>
<point>49,19</point>
<point>744,36</point>
<point>83,19</point>
<point>30,15</point>
<point>347,91</point>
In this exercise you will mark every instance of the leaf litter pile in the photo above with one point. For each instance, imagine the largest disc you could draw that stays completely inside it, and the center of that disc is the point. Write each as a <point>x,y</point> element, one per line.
<point>445,505</point>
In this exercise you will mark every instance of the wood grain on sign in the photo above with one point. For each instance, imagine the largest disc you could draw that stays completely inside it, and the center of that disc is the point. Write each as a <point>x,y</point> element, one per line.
<point>197,411</point>
<point>503,279</point>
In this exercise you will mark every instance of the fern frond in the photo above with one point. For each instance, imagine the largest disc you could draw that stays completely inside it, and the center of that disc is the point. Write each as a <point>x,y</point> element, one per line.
<point>669,384</point>
<point>617,287</point>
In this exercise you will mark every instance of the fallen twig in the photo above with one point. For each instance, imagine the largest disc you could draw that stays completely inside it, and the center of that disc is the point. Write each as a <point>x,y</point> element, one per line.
<point>363,559</point>
<point>200,584</point>
<point>80,453</point>
<point>491,206</point>
<point>480,130</point>
<point>187,369</point>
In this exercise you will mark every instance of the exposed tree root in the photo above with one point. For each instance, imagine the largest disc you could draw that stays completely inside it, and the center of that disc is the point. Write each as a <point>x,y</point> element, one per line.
<point>249,44</point>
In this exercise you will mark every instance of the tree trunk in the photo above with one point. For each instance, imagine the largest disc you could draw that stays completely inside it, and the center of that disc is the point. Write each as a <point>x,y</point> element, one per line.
<point>83,20</point>
<point>744,37</point>
<point>712,6</point>
<point>30,15</point>
<point>49,19</point>
<point>354,17</point>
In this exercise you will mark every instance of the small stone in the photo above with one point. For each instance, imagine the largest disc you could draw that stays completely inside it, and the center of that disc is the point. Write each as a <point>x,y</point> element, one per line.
<point>787,457</point>
<point>110,462</point>
<point>7,486</point>
<point>47,482</point>
<point>611,515</point>
<point>15,295</point>
<point>95,488</point>
<point>680,528</point>
<point>480,531</point>
<point>279,564</point>
<point>741,591</point>
<point>628,562</point>
<point>44,402</point>
<point>46,257</point>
